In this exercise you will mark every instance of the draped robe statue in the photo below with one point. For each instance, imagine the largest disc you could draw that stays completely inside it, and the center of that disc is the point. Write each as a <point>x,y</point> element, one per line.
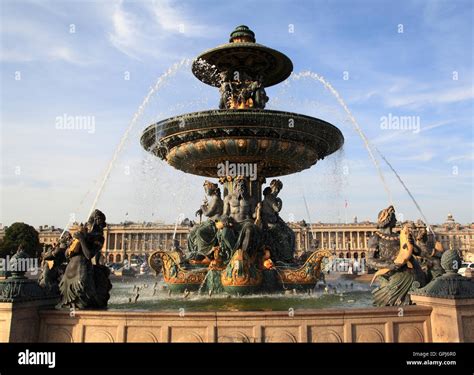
<point>398,279</point>
<point>279,237</point>
<point>84,284</point>
<point>430,254</point>
<point>203,237</point>
<point>53,264</point>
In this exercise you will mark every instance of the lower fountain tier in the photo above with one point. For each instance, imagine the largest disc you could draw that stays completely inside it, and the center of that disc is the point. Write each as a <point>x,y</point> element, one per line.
<point>280,143</point>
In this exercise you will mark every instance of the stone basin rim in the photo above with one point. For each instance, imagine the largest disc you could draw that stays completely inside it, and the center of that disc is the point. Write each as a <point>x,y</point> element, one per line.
<point>304,140</point>
<point>277,76</point>
<point>236,112</point>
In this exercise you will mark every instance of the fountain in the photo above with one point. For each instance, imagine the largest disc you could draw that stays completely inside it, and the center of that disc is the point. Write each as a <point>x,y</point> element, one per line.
<point>244,246</point>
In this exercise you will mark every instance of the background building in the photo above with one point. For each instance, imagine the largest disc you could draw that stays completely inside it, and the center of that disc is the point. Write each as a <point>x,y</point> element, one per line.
<point>49,235</point>
<point>456,236</point>
<point>348,241</point>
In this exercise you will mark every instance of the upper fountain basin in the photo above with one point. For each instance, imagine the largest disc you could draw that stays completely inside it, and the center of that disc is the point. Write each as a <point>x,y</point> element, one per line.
<point>280,143</point>
<point>253,58</point>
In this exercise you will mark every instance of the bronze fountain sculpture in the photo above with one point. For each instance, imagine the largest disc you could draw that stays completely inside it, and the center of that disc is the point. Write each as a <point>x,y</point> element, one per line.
<point>85,283</point>
<point>244,244</point>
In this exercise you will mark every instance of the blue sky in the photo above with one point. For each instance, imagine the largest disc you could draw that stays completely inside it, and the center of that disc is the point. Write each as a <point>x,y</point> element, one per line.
<point>99,59</point>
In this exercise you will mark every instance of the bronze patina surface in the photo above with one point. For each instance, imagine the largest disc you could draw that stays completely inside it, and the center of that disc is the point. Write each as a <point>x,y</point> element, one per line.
<point>244,246</point>
<point>280,143</point>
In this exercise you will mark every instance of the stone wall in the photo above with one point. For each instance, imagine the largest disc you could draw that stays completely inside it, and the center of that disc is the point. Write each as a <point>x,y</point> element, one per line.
<point>389,324</point>
<point>20,322</point>
<point>452,320</point>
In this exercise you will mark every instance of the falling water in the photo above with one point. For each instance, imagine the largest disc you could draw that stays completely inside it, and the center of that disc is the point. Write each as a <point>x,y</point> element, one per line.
<point>406,189</point>
<point>158,84</point>
<point>171,71</point>
<point>328,86</point>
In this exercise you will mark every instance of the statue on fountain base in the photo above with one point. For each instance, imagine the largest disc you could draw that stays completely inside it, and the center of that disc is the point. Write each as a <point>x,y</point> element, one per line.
<point>203,237</point>
<point>53,265</point>
<point>238,222</point>
<point>84,284</point>
<point>393,258</point>
<point>278,236</point>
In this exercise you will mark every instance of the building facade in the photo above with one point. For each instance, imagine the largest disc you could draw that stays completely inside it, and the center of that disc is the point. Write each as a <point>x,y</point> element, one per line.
<point>453,235</point>
<point>49,235</point>
<point>347,241</point>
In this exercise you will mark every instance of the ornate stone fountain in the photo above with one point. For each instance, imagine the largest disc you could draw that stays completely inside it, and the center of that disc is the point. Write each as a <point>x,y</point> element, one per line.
<point>244,246</point>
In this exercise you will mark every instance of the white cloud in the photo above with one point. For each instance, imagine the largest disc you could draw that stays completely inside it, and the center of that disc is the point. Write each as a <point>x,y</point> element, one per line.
<point>172,19</point>
<point>464,157</point>
<point>156,29</point>
<point>392,136</point>
<point>431,97</point>
<point>125,34</point>
<point>422,156</point>
<point>26,37</point>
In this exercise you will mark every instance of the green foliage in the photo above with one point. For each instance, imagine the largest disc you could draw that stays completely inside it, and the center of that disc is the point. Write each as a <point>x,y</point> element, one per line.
<point>20,234</point>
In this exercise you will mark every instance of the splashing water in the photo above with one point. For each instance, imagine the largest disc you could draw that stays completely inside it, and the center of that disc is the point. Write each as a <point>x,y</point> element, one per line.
<point>158,84</point>
<point>327,85</point>
<point>171,71</point>
<point>406,189</point>
<point>162,80</point>
<point>357,127</point>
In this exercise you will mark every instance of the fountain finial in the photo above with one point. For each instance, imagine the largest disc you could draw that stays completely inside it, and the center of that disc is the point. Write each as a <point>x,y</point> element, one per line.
<point>242,34</point>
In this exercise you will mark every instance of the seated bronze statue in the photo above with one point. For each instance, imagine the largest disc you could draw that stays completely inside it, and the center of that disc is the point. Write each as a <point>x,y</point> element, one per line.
<point>53,264</point>
<point>84,284</point>
<point>430,253</point>
<point>278,236</point>
<point>203,237</point>
<point>393,256</point>
<point>238,228</point>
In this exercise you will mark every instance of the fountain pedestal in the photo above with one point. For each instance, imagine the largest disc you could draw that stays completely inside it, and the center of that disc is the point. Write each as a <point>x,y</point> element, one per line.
<point>451,298</point>
<point>21,299</point>
<point>451,320</point>
<point>250,236</point>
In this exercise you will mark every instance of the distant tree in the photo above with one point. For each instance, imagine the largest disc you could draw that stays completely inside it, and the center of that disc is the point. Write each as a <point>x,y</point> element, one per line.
<point>20,234</point>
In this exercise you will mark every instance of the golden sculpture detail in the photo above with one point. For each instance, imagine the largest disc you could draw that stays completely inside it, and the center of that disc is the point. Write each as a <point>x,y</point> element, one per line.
<point>308,274</point>
<point>239,272</point>
<point>404,255</point>
<point>173,273</point>
<point>242,272</point>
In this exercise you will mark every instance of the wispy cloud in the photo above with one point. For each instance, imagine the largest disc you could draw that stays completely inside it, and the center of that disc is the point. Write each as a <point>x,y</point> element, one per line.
<point>155,28</point>
<point>413,100</point>
<point>25,38</point>
<point>469,156</point>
